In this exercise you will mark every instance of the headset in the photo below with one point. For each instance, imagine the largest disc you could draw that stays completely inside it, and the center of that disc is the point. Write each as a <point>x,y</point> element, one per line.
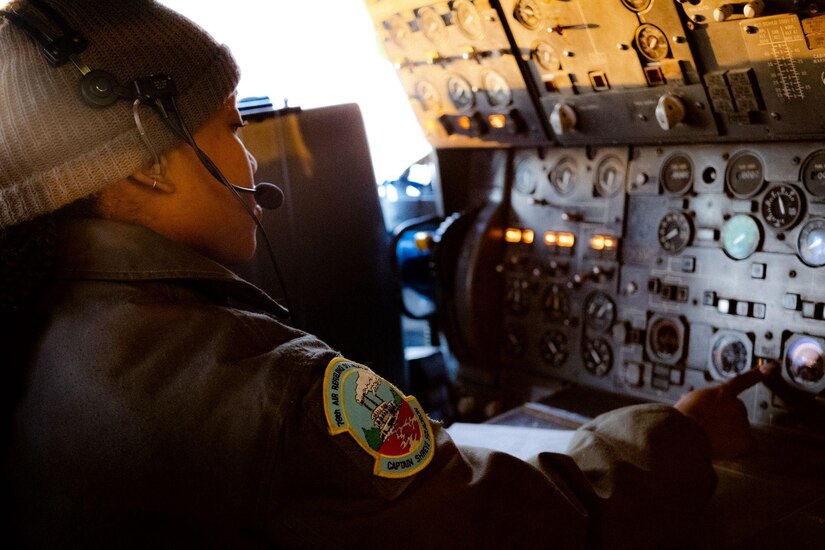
<point>100,89</point>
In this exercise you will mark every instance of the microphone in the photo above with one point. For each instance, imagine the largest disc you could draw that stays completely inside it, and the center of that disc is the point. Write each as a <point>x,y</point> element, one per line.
<point>267,195</point>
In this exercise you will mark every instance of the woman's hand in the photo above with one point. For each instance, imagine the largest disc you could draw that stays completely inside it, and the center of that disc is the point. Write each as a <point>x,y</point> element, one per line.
<point>722,415</point>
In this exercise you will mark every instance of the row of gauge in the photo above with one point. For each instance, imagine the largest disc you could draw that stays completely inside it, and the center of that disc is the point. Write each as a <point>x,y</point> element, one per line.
<point>683,265</point>
<point>779,206</point>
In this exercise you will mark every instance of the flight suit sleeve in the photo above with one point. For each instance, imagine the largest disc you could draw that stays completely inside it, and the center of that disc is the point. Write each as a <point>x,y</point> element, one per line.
<point>329,489</point>
<point>648,476</point>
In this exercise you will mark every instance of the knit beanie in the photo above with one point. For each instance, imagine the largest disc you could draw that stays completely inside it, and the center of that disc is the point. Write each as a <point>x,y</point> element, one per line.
<point>54,148</point>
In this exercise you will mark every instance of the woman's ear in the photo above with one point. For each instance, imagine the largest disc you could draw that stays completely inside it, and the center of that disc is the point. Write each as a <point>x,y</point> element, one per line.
<point>154,178</point>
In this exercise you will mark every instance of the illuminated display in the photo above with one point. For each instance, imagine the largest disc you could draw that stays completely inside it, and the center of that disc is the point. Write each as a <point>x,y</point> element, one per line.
<point>498,121</point>
<point>602,242</point>
<point>564,240</point>
<point>514,235</point>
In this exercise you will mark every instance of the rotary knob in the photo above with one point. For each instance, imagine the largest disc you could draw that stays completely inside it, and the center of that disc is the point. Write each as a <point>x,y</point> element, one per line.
<point>753,9</point>
<point>670,111</point>
<point>563,119</point>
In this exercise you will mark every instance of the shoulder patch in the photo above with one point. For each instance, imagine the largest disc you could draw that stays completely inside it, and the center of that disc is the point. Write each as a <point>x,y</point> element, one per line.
<point>384,422</point>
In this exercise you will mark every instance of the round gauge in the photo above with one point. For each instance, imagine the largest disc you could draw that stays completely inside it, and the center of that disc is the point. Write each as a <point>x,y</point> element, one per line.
<point>813,174</point>
<point>427,95</point>
<point>599,311</point>
<point>805,362</point>
<point>652,42</point>
<point>468,18</point>
<point>782,206</point>
<point>554,348</point>
<point>675,232</point>
<point>398,28</point>
<point>432,25</point>
<point>665,340</point>
<point>515,341</point>
<point>636,5</point>
<point>609,177</point>
<point>528,175</point>
<point>745,175</point>
<point>597,356</point>
<point>518,296</point>
<point>528,13</point>
<point>811,242</point>
<point>563,176</point>
<point>556,304</point>
<point>498,91</point>
<point>461,92</point>
<point>547,57</point>
<point>730,355</point>
<point>741,236</point>
<point>677,175</point>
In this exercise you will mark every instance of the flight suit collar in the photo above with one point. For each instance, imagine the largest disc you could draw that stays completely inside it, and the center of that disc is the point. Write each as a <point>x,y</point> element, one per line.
<point>105,250</point>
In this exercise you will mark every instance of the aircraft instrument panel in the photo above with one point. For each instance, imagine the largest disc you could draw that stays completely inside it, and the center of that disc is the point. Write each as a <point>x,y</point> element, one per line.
<point>640,189</point>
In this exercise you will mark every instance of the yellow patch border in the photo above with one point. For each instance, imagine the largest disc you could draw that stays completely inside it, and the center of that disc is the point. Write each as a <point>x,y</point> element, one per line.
<point>338,424</point>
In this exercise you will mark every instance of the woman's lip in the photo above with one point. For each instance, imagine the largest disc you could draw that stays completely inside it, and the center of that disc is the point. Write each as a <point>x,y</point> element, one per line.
<point>259,212</point>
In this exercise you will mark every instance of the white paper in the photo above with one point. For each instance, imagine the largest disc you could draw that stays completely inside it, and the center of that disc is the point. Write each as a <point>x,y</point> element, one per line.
<point>518,441</point>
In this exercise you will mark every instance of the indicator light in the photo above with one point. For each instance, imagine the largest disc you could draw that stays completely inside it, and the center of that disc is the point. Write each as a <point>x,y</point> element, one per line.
<point>602,242</point>
<point>497,121</point>
<point>566,240</point>
<point>528,236</point>
<point>512,235</point>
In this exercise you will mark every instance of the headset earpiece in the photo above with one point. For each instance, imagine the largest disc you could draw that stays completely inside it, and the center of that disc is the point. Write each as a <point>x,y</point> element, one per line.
<point>99,88</point>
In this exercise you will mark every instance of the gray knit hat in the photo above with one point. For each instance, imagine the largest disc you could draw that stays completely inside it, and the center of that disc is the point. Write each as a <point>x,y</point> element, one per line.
<point>55,149</point>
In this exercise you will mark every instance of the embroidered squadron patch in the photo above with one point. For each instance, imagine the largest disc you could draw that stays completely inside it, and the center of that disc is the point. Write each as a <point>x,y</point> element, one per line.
<point>386,424</point>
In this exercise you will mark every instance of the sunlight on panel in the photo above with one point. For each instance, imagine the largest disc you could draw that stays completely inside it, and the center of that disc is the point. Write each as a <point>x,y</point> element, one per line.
<point>325,55</point>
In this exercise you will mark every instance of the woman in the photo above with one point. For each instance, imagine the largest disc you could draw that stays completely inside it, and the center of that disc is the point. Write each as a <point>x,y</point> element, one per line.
<point>154,398</point>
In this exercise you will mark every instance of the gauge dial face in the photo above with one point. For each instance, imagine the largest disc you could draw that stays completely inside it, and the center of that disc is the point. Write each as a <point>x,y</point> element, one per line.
<point>563,176</point>
<point>528,175</point>
<point>652,42</point>
<point>597,356</point>
<point>741,236</point>
<point>432,25</point>
<point>636,5</point>
<point>675,232</point>
<point>677,175</point>
<point>782,206</point>
<point>518,295</point>
<point>599,311</point>
<point>554,348</point>
<point>813,174</point>
<point>515,341</point>
<point>427,95</point>
<point>399,29</point>
<point>556,304</point>
<point>469,19</point>
<point>730,355</point>
<point>528,13</point>
<point>461,92</point>
<point>547,57</point>
<point>609,177</point>
<point>498,91</point>
<point>666,340</point>
<point>805,362</point>
<point>745,175</point>
<point>811,242</point>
